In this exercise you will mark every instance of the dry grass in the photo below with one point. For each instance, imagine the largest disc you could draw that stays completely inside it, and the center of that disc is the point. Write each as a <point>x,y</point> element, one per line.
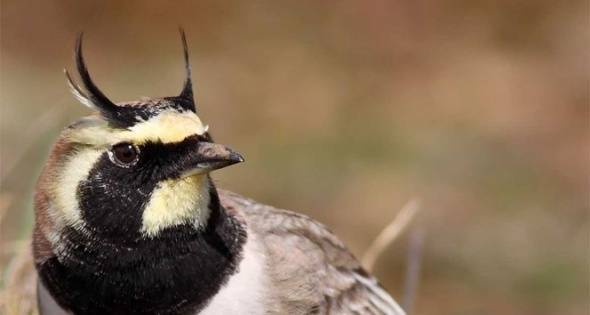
<point>18,295</point>
<point>388,235</point>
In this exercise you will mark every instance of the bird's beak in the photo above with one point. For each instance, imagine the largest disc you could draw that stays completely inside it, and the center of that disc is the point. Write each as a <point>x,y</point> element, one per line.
<point>210,156</point>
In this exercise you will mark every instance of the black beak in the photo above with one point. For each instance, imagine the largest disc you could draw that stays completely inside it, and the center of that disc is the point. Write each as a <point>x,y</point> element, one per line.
<point>211,156</point>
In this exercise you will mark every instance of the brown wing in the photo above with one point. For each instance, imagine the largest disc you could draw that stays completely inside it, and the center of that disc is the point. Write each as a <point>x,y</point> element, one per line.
<point>311,269</point>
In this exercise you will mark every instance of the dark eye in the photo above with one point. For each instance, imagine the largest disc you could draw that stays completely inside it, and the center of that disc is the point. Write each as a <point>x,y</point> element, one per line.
<point>124,154</point>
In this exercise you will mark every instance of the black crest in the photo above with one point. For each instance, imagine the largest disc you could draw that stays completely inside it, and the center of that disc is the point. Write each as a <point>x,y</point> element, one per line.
<point>187,90</point>
<point>121,116</point>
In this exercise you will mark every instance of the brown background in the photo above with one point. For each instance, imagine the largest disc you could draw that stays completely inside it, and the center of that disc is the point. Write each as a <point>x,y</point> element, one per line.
<point>344,111</point>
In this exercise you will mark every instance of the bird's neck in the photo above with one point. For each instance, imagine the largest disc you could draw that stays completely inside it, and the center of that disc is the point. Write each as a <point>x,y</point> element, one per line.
<point>176,272</point>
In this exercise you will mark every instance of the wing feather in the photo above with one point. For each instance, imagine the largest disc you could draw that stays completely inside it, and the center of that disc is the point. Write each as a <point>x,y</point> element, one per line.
<point>312,270</point>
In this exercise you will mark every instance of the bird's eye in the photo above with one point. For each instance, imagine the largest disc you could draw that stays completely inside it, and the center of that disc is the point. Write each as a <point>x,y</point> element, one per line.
<point>124,154</point>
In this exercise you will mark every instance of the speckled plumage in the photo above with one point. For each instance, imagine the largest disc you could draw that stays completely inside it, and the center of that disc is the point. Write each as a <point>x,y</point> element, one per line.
<point>311,270</point>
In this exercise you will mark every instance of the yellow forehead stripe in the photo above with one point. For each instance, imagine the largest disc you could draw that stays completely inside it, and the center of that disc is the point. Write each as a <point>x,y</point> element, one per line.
<point>168,126</point>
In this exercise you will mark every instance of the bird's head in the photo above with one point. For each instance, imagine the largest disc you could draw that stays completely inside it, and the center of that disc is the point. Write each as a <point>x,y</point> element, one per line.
<point>133,169</point>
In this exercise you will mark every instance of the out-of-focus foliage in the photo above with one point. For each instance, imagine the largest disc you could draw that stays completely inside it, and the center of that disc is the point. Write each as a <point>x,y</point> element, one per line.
<point>344,110</point>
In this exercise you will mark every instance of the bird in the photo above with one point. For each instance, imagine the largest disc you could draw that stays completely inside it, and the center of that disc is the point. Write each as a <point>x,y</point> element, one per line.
<point>129,221</point>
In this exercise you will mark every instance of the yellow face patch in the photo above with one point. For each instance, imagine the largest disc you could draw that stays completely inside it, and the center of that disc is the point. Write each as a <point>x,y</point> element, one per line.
<point>168,127</point>
<point>177,201</point>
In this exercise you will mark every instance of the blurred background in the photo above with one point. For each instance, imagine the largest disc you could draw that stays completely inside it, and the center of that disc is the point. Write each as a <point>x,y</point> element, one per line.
<point>345,111</point>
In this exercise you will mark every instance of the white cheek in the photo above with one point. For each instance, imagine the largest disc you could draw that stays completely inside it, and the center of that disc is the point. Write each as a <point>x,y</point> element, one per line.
<point>75,170</point>
<point>177,201</point>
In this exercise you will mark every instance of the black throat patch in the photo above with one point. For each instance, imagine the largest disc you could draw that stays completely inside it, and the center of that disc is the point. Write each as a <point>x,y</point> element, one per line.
<point>177,272</point>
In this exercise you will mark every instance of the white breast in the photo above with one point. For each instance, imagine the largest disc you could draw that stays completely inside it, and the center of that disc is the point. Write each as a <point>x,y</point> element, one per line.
<point>245,291</point>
